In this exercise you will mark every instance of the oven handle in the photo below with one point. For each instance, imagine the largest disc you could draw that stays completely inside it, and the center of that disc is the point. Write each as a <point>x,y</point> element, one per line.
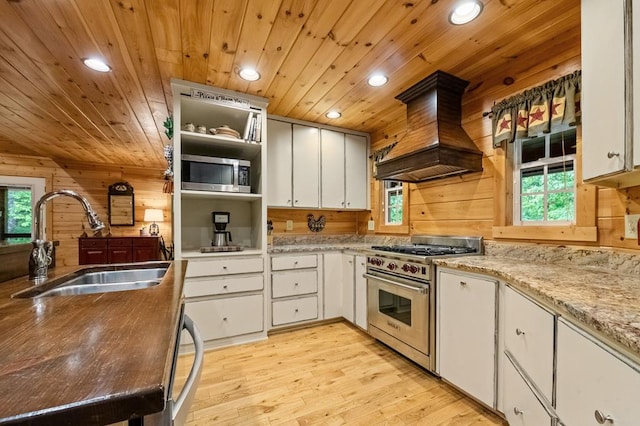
<point>423,289</point>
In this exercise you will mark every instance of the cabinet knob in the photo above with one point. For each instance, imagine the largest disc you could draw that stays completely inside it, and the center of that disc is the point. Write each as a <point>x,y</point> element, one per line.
<point>517,411</point>
<point>463,283</point>
<point>296,201</point>
<point>288,201</point>
<point>224,319</point>
<point>611,154</point>
<point>342,203</point>
<point>295,284</point>
<point>349,203</point>
<point>296,310</point>
<point>519,332</point>
<point>224,286</point>
<point>224,267</point>
<point>602,418</point>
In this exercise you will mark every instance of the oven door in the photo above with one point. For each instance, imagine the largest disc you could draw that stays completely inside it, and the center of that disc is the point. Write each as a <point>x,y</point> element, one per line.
<point>400,308</point>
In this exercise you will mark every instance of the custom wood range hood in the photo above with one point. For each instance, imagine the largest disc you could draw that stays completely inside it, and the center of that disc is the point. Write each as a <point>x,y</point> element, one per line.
<point>440,146</point>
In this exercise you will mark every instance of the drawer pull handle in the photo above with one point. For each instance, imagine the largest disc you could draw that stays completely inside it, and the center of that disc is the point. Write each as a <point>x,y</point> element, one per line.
<point>463,283</point>
<point>613,154</point>
<point>517,411</point>
<point>602,418</point>
<point>519,332</point>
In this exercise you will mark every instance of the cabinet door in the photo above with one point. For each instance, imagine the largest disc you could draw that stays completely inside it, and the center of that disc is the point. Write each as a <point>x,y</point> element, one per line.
<point>145,249</point>
<point>279,164</point>
<point>466,320</point>
<point>603,88</point>
<point>356,183</point>
<point>360,292</point>
<point>333,165</point>
<point>332,275</point>
<point>306,166</point>
<point>529,335</point>
<point>521,407</point>
<point>591,378</point>
<point>348,271</point>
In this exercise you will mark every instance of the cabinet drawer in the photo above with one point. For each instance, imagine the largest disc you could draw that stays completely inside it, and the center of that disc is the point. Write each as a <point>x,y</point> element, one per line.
<point>294,283</point>
<point>592,377</point>
<point>145,242</point>
<point>200,268</point>
<point>289,311</point>
<point>86,243</point>
<point>521,407</point>
<point>529,336</point>
<point>119,242</point>
<point>294,262</point>
<point>206,286</point>
<point>231,316</point>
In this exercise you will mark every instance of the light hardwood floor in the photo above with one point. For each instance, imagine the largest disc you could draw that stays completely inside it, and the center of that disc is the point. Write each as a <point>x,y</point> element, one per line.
<point>332,374</point>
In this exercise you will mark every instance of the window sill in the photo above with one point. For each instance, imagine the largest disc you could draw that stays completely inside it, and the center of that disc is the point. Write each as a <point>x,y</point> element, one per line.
<point>554,233</point>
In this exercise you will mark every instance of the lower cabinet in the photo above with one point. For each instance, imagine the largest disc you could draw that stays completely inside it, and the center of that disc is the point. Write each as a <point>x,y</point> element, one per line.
<point>294,289</point>
<point>105,250</point>
<point>595,384</point>
<point>224,297</point>
<point>466,333</point>
<point>521,407</point>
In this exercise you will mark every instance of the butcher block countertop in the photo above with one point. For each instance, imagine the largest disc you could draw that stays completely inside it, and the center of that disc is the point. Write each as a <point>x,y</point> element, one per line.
<point>601,299</point>
<point>87,359</point>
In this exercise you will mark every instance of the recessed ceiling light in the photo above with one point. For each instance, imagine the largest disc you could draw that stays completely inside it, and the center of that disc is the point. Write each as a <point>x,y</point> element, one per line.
<point>249,74</point>
<point>333,114</point>
<point>465,12</point>
<point>96,64</point>
<point>377,80</point>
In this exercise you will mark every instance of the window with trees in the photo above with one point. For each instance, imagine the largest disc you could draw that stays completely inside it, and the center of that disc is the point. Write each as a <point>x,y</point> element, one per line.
<point>18,196</point>
<point>545,179</point>
<point>393,202</point>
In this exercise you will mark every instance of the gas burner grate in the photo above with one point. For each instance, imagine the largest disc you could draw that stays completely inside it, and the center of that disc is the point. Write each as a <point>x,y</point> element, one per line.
<point>425,250</point>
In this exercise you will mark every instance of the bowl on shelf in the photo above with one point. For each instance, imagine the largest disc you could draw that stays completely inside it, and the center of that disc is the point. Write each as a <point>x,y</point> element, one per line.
<point>225,130</point>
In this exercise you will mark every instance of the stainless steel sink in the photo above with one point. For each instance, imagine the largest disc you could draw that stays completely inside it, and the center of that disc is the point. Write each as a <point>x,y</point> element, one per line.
<point>100,280</point>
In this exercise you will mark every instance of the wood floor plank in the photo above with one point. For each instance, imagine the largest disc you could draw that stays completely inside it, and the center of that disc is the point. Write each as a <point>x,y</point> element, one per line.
<point>332,374</point>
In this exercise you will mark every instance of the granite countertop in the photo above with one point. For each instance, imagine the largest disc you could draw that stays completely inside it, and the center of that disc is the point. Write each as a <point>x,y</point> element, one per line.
<point>332,246</point>
<point>602,299</point>
<point>87,359</point>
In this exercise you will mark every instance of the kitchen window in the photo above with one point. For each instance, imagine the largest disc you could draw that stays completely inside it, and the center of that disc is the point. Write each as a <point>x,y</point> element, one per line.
<point>393,202</point>
<point>545,180</point>
<point>18,196</point>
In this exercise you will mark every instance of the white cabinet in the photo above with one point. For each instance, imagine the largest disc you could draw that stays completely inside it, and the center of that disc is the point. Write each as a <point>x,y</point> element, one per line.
<point>348,288</point>
<point>219,292</point>
<point>610,141</point>
<point>293,165</point>
<point>294,289</point>
<point>529,337</point>
<point>521,407</point>
<point>279,164</point>
<point>360,292</point>
<point>344,170</point>
<point>333,277</point>
<point>593,381</point>
<point>466,335</point>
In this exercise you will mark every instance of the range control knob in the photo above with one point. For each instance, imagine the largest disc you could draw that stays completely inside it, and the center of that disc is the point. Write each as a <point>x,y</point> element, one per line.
<point>413,269</point>
<point>392,266</point>
<point>406,267</point>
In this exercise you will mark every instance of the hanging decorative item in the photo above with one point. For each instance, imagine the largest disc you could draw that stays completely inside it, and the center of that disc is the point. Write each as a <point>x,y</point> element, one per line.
<point>379,154</point>
<point>316,225</point>
<point>168,155</point>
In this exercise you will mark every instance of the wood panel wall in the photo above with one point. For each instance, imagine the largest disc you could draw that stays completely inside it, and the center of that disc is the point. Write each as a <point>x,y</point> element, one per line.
<point>337,222</point>
<point>65,217</point>
<point>464,205</point>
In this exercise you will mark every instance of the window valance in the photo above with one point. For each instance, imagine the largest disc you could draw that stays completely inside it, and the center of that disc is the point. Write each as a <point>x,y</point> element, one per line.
<point>538,110</point>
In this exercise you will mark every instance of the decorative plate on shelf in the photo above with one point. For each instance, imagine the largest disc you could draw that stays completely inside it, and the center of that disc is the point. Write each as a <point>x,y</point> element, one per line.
<point>227,131</point>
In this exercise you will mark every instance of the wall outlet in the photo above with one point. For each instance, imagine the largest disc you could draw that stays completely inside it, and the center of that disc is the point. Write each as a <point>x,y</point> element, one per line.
<point>371,225</point>
<point>631,225</point>
<point>289,226</point>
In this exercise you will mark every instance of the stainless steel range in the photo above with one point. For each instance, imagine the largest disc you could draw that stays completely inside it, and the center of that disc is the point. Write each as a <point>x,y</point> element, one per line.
<point>401,293</point>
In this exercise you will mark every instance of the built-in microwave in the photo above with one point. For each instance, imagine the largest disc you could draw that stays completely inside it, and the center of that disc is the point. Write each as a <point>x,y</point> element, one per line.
<point>215,174</point>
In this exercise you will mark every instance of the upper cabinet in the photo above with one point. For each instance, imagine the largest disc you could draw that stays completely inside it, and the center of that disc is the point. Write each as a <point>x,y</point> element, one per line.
<point>610,101</point>
<point>218,160</point>
<point>312,167</point>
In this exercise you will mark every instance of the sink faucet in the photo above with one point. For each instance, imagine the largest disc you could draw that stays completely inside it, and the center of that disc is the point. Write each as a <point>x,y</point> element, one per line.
<point>41,252</point>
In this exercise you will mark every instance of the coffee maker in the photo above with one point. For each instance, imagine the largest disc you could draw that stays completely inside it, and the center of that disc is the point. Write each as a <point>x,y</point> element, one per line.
<point>221,237</point>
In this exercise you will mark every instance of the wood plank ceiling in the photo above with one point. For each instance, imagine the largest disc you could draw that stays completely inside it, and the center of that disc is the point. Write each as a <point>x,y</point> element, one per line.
<point>313,55</point>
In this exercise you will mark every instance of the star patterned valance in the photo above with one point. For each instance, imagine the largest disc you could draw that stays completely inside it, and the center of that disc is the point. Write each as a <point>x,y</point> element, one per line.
<point>538,110</point>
